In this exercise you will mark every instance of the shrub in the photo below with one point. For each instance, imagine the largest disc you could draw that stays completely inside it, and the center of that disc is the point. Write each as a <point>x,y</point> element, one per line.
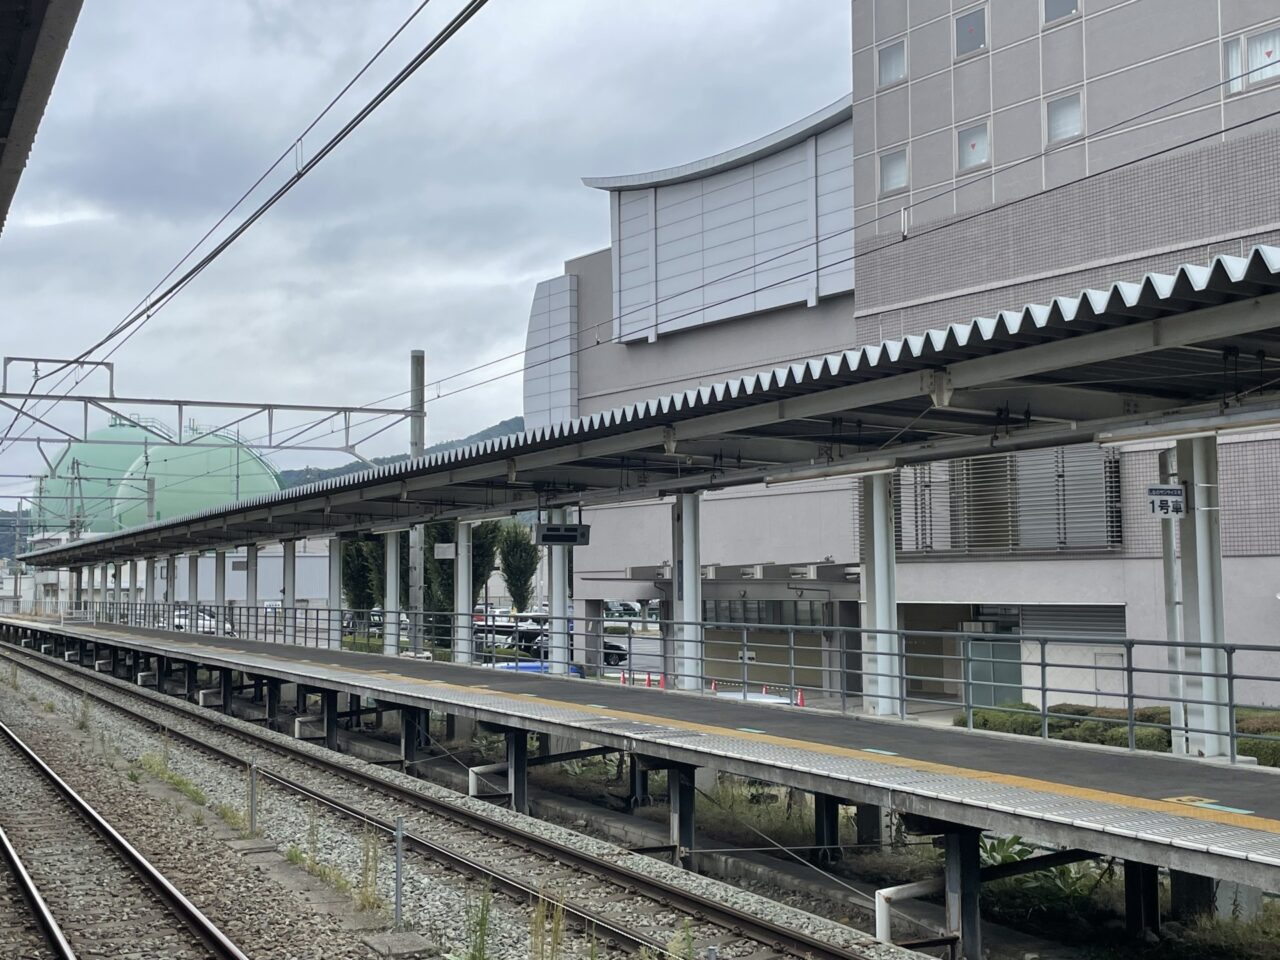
<point>1006,719</point>
<point>1267,752</point>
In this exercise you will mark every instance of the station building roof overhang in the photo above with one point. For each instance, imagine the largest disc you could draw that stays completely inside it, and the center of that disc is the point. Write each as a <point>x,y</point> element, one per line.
<point>30,57</point>
<point>829,116</point>
<point>1196,349</point>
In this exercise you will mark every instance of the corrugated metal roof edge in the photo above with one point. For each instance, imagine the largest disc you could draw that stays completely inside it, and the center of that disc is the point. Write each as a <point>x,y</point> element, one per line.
<point>1155,289</point>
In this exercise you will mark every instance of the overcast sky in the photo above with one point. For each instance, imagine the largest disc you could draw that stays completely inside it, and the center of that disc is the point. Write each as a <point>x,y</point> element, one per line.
<point>428,228</point>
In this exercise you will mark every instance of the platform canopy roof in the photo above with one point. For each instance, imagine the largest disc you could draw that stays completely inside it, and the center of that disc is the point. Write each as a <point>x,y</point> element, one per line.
<point>1184,353</point>
<point>33,39</point>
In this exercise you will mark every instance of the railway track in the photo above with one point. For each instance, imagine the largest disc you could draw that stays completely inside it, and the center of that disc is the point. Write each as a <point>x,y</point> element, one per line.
<point>616,903</point>
<point>89,892</point>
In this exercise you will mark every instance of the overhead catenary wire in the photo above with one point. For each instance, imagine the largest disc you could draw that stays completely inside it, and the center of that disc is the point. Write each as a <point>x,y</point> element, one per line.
<point>152,303</point>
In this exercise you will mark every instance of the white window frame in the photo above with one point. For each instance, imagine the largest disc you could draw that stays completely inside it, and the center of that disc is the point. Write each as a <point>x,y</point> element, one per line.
<point>906,164</point>
<point>961,169</point>
<point>1079,96</point>
<point>1245,81</point>
<point>956,55</point>
<point>906,64</point>
<point>1045,22</point>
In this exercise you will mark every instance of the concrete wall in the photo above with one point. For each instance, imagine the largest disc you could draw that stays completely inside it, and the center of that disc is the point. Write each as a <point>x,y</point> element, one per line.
<point>1039,218</point>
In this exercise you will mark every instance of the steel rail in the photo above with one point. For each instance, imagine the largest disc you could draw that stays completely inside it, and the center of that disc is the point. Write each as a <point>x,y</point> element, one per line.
<point>205,930</point>
<point>45,920</point>
<point>739,922</point>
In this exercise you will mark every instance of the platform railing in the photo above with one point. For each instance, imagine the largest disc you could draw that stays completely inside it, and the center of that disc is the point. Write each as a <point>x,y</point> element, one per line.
<point>1124,692</point>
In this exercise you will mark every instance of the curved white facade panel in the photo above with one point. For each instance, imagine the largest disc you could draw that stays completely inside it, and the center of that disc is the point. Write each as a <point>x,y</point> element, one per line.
<point>759,229</point>
<point>551,354</point>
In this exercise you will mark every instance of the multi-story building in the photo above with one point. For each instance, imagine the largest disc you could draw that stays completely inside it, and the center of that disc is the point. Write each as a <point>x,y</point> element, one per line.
<point>991,155</point>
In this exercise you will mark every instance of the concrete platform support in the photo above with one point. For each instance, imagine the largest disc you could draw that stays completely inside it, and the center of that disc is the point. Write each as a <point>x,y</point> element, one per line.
<point>1191,896</point>
<point>518,769</point>
<point>77,580</point>
<point>462,593</point>
<point>826,828</point>
<point>680,778</point>
<point>227,688</point>
<point>149,580</point>
<point>273,703</point>
<point>189,671</point>
<point>171,578</point>
<point>638,778</point>
<point>334,620</point>
<point>881,663</point>
<point>559,643</point>
<point>1141,898</point>
<point>1202,609</point>
<point>410,736</point>
<point>962,884</point>
<point>686,590</point>
<point>869,822</point>
<point>117,588</point>
<point>329,708</point>
<point>135,581</point>
<point>289,583</point>
<point>391,595</point>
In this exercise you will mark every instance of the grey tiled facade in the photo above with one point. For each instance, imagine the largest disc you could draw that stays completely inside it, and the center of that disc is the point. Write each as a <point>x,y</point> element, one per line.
<point>1077,142</point>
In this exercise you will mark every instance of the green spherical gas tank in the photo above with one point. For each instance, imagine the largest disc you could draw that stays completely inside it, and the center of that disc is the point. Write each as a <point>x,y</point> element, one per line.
<point>82,487</point>
<point>191,479</point>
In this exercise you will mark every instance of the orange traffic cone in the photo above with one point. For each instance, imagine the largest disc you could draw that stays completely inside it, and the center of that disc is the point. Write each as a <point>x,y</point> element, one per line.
<point>662,681</point>
<point>714,688</point>
<point>648,680</point>
<point>764,689</point>
<point>800,699</point>
<point>622,678</point>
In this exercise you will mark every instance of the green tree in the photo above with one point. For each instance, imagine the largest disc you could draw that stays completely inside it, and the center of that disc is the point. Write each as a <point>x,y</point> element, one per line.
<point>519,560</point>
<point>484,553</point>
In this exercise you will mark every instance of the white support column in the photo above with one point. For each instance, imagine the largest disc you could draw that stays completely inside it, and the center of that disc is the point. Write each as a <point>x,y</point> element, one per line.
<point>193,581</point>
<point>1175,658</point>
<point>251,576</point>
<point>686,590</point>
<point>289,581</point>
<point>558,587</point>
<point>102,583</point>
<point>220,580</point>
<point>462,592</point>
<point>335,594</point>
<point>1202,611</point>
<point>77,579</point>
<point>135,581</point>
<point>170,578</point>
<point>220,591</point>
<point>881,689</point>
<point>149,580</point>
<point>391,596</point>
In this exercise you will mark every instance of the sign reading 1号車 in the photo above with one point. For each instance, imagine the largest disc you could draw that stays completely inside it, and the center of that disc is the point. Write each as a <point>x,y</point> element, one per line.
<point>1167,503</point>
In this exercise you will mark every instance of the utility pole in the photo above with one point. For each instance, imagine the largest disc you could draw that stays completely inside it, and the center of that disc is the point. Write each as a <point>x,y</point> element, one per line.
<point>418,532</point>
<point>151,499</point>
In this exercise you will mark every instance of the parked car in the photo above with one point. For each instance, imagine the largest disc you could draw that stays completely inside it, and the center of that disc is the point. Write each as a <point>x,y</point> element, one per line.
<point>205,622</point>
<point>533,637</point>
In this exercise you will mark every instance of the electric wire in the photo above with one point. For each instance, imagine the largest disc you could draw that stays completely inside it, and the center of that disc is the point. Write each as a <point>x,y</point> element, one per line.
<point>152,303</point>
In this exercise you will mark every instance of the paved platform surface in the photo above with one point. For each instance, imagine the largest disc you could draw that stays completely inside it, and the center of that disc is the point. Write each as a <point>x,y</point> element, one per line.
<point>1214,818</point>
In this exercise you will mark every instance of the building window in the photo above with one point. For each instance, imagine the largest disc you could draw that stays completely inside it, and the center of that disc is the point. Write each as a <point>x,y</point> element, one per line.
<point>1264,56</point>
<point>971,32</point>
<point>973,147</point>
<point>893,172</point>
<point>892,63</point>
<point>1055,10</point>
<point>1063,119</point>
